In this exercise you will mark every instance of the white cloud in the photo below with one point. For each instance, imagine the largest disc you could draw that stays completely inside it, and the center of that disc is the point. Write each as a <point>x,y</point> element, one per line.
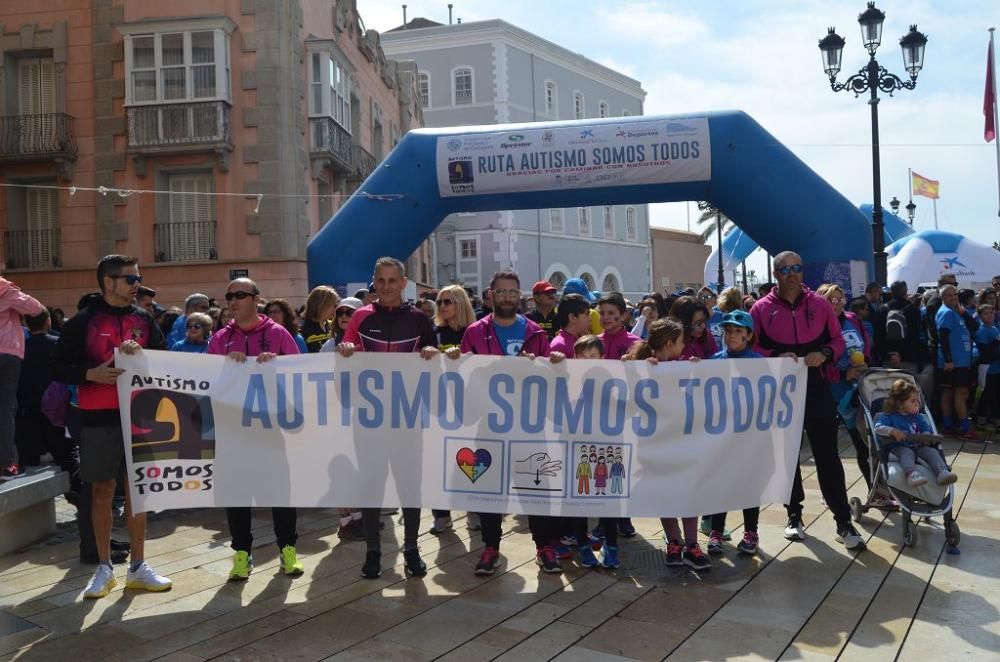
<point>649,22</point>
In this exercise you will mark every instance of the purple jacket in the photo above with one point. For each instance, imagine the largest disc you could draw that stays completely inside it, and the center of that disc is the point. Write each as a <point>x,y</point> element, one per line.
<point>808,325</point>
<point>480,339</point>
<point>565,343</point>
<point>617,345</point>
<point>267,336</point>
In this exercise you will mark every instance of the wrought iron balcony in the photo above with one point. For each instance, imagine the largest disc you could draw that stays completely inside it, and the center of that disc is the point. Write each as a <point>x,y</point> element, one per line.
<point>32,249</point>
<point>179,127</point>
<point>363,162</point>
<point>330,143</point>
<point>37,137</point>
<point>185,242</point>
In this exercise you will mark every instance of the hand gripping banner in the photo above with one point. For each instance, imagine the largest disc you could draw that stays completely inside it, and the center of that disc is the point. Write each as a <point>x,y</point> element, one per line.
<point>482,434</point>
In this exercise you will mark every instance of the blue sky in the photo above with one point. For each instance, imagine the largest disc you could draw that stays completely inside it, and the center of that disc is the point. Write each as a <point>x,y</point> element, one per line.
<point>762,57</point>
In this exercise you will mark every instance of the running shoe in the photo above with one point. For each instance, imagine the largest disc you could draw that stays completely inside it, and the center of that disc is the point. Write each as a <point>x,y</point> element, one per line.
<point>290,563</point>
<point>353,530</point>
<point>489,561</point>
<point>609,556</point>
<point>145,578</point>
<point>586,558</point>
<point>101,583</point>
<point>947,477</point>
<point>569,541</point>
<point>794,529</point>
<point>883,502</point>
<point>675,554</point>
<point>546,559</point>
<point>472,522</point>
<point>372,569</point>
<point>625,528</point>
<point>848,535</point>
<point>695,558</point>
<point>242,565</point>
<point>12,471</point>
<point>749,543</point>
<point>715,542</point>
<point>442,525</point>
<point>415,566</point>
<point>706,528</point>
<point>562,551</point>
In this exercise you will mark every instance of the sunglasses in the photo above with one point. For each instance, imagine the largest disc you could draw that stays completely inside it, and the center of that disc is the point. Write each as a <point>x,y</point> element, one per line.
<point>445,302</point>
<point>347,312</point>
<point>239,295</point>
<point>129,278</point>
<point>789,269</point>
<point>196,325</point>
<point>705,297</point>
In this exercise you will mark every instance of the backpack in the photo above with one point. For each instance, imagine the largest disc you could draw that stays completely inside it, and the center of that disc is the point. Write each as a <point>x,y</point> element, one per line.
<point>55,403</point>
<point>895,325</point>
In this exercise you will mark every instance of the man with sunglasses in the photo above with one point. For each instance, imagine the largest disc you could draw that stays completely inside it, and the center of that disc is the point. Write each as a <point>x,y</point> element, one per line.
<point>250,334</point>
<point>544,314</point>
<point>84,355</point>
<point>793,321</point>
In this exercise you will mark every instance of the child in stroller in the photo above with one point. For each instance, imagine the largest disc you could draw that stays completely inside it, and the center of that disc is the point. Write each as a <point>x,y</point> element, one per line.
<point>902,422</point>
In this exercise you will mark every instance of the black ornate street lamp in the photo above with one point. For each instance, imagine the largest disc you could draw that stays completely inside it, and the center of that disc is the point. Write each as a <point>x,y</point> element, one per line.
<point>894,205</point>
<point>872,78</point>
<point>911,210</point>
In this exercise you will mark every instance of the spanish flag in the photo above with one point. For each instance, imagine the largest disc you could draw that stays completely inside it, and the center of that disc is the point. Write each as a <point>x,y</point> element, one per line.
<point>929,188</point>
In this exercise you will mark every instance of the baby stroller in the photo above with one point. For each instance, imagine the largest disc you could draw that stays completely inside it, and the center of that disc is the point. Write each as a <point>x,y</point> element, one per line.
<point>929,500</point>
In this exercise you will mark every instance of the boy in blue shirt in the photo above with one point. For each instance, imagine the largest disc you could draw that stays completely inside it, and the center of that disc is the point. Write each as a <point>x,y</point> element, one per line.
<point>988,341</point>
<point>737,330</point>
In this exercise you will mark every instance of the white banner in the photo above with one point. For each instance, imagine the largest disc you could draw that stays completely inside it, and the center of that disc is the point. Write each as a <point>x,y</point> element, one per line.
<point>488,434</point>
<point>571,157</point>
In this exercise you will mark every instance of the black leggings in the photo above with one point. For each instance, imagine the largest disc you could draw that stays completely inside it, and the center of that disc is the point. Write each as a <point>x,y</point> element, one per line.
<point>543,528</point>
<point>240,527</point>
<point>372,519</point>
<point>821,429</point>
<point>750,518</point>
<point>862,454</point>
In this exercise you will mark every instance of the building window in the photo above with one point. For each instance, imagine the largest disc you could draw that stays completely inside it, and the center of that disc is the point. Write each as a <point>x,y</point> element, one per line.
<point>602,109</point>
<point>468,249</point>
<point>32,236</point>
<point>588,280</point>
<point>584,214</point>
<point>177,66</point>
<point>610,284</point>
<point>424,86</point>
<point>556,221</point>
<point>578,107</point>
<point>551,99</point>
<point>631,232</point>
<point>463,86</point>
<point>331,90</point>
<point>609,222</point>
<point>189,233</point>
<point>557,279</point>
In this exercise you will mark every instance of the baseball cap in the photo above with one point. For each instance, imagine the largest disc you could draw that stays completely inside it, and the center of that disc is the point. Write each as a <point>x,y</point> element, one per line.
<point>577,286</point>
<point>542,286</point>
<point>738,318</point>
<point>350,302</point>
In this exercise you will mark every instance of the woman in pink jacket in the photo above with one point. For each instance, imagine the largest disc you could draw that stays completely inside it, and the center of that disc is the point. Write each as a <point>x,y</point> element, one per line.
<point>13,304</point>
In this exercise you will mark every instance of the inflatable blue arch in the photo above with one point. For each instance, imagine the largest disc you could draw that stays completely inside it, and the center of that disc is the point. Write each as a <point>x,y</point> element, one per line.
<point>723,157</point>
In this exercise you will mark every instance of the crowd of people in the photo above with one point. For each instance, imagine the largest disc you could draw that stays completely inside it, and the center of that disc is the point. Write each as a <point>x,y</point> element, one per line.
<point>58,393</point>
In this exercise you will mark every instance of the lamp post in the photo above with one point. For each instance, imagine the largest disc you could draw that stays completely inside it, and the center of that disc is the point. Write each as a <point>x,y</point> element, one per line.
<point>894,205</point>
<point>872,78</point>
<point>911,209</point>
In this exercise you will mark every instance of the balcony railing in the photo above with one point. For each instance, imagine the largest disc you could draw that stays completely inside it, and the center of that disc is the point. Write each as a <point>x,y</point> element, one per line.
<point>330,141</point>
<point>32,249</point>
<point>362,161</point>
<point>48,135</point>
<point>179,126</point>
<point>185,242</point>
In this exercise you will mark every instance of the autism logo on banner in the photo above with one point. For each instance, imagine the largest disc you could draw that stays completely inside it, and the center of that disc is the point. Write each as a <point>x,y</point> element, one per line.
<point>167,425</point>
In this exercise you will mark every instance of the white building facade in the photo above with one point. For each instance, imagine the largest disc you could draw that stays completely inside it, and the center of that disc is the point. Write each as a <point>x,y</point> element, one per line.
<point>491,72</point>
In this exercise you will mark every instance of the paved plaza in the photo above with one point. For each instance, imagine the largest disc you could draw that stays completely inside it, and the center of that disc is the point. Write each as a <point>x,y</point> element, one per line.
<point>810,600</point>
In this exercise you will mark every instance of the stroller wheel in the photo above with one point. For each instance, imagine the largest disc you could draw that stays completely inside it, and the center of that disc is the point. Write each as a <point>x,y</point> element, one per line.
<point>857,509</point>
<point>952,533</point>
<point>909,532</point>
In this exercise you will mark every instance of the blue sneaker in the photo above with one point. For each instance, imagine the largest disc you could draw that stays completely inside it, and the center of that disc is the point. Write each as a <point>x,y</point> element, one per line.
<point>562,551</point>
<point>595,543</point>
<point>585,555</point>
<point>609,556</point>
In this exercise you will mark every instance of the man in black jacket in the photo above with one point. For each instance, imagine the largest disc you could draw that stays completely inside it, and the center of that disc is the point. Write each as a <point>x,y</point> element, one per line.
<point>902,346</point>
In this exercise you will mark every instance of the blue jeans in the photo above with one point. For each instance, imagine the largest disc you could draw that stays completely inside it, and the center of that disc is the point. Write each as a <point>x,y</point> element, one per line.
<point>10,372</point>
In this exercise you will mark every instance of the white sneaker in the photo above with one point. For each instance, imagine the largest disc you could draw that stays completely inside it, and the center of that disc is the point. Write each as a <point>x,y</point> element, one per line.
<point>101,583</point>
<point>850,537</point>
<point>947,477</point>
<point>441,525</point>
<point>472,521</point>
<point>794,529</point>
<point>146,578</point>
<point>914,478</point>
